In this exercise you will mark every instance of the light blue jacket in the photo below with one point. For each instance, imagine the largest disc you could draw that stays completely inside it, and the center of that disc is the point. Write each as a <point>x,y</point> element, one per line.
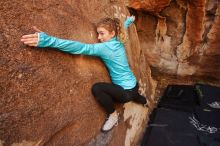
<point>111,52</point>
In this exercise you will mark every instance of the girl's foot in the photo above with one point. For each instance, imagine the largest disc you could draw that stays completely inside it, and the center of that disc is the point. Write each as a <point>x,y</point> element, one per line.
<point>140,99</point>
<point>110,122</point>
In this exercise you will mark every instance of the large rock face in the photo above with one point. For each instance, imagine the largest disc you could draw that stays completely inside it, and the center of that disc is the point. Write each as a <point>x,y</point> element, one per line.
<point>45,94</point>
<point>180,37</point>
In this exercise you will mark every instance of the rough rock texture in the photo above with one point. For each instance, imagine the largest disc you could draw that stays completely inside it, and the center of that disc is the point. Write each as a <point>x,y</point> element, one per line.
<point>45,94</point>
<point>180,37</point>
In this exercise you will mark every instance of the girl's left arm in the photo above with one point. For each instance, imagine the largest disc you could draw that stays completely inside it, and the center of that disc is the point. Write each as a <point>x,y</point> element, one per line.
<point>43,40</point>
<point>72,47</point>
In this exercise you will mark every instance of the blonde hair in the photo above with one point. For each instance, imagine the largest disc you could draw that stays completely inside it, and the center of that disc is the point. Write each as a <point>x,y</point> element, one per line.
<point>114,24</point>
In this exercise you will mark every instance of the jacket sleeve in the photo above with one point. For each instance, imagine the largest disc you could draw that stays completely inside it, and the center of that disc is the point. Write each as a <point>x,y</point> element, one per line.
<point>69,46</point>
<point>128,22</point>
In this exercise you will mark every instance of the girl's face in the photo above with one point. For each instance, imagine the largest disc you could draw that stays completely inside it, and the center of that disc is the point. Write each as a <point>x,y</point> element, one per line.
<point>104,35</point>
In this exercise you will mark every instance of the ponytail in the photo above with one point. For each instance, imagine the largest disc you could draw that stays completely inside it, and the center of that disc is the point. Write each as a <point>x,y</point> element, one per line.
<point>120,31</point>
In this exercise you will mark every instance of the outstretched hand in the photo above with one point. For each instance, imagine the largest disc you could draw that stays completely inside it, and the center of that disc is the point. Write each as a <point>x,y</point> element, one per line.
<point>132,17</point>
<point>31,39</point>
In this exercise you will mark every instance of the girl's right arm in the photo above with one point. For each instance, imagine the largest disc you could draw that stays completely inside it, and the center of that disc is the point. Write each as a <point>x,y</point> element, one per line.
<point>129,21</point>
<point>41,39</point>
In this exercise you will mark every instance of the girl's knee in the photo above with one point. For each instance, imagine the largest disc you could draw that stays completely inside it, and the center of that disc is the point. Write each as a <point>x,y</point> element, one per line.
<point>96,88</point>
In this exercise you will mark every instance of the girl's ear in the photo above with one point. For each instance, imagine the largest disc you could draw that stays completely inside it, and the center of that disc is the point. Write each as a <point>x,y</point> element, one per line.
<point>112,33</point>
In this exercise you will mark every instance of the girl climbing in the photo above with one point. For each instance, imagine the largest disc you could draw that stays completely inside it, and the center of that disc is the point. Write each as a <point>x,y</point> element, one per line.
<point>111,50</point>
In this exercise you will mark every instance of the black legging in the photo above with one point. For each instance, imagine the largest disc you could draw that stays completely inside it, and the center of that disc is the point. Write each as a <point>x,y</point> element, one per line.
<point>107,93</point>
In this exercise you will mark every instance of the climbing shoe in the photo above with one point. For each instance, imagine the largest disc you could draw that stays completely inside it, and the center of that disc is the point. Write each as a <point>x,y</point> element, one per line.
<point>110,122</point>
<point>140,99</point>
